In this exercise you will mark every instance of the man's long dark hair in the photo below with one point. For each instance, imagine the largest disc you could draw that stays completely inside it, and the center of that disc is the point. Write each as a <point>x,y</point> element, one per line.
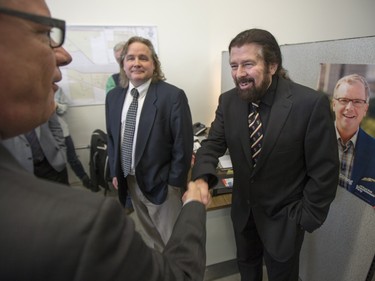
<point>270,48</point>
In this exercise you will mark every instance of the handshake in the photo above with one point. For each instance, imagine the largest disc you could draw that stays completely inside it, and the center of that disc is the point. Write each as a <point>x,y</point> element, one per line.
<point>197,191</point>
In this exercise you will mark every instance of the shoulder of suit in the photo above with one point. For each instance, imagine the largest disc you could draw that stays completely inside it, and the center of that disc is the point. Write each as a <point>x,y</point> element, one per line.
<point>362,135</point>
<point>302,92</point>
<point>116,91</point>
<point>230,93</point>
<point>295,87</point>
<point>166,87</point>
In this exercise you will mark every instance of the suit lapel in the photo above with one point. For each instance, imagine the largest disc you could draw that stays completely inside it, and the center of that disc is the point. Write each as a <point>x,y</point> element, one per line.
<point>117,104</point>
<point>119,99</point>
<point>280,109</point>
<point>242,112</point>
<point>361,156</point>
<point>146,121</point>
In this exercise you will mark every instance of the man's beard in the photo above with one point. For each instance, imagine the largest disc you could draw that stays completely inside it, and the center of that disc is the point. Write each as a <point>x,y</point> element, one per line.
<point>254,94</point>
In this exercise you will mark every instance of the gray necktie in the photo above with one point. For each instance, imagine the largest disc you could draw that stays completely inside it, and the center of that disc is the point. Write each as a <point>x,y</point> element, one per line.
<point>256,132</point>
<point>36,149</point>
<point>127,143</point>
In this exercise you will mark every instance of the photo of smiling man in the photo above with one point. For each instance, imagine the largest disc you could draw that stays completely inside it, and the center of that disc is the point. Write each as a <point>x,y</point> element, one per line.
<point>350,104</point>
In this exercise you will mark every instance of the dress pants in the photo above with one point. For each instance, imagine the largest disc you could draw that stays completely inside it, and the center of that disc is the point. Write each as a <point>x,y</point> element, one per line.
<point>251,252</point>
<point>73,160</point>
<point>157,221</point>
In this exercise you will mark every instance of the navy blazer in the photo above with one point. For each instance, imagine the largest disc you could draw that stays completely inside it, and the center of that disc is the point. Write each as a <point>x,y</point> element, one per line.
<point>164,144</point>
<point>296,176</point>
<point>363,173</point>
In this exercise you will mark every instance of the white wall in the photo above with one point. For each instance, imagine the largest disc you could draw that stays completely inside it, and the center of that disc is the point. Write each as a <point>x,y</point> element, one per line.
<point>193,33</point>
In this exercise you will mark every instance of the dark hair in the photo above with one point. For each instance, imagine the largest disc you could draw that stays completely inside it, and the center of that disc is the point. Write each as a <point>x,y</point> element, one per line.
<point>270,48</point>
<point>156,76</point>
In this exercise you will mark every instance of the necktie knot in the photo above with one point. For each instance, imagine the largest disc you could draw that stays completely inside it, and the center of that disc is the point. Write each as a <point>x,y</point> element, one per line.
<point>255,106</point>
<point>134,92</point>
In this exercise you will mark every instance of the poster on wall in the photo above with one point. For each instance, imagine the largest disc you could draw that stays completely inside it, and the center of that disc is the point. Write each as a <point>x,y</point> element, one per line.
<point>354,113</point>
<point>91,48</point>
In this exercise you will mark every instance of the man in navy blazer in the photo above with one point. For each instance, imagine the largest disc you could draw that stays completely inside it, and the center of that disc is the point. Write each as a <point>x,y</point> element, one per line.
<point>162,145</point>
<point>291,186</point>
<point>356,148</point>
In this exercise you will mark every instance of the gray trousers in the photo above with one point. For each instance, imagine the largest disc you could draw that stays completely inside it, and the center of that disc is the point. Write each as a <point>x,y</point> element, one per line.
<point>156,221</point>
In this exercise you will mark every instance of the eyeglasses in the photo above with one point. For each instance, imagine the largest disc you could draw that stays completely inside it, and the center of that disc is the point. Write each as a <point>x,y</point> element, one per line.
<point>355,102</point>
<point>57,32</point>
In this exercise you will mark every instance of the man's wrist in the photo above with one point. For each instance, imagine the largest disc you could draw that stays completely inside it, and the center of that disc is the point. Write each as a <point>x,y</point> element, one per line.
<point>204,178</point>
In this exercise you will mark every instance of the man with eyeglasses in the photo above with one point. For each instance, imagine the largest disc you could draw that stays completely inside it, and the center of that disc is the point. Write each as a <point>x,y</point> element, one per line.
<point>356,148</point>
<point>54,233</point>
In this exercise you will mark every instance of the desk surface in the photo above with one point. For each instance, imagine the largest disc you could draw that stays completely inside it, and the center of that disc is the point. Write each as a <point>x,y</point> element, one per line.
<point>220,201</point>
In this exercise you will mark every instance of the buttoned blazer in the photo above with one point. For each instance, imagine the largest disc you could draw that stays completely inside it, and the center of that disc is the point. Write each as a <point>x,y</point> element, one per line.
<point>51,141</point>
<point>51,232</point>
<point>296,175</point>
<point>164,140</point>
<point>363,173</point>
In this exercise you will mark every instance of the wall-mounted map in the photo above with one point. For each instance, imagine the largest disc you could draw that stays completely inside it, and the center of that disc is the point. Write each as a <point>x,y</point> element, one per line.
<point>91,48</point>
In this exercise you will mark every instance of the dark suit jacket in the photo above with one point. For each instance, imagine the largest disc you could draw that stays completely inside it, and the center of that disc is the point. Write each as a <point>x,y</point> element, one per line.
<point>164,142</point>
<point>51,140</point>
<point>363,173</point>
<point>296,176</point>
<point>50,232</point>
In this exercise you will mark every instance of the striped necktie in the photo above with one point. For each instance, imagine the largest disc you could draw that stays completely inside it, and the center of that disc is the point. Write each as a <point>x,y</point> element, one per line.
<point>127,143</point>
<point>256,132</point>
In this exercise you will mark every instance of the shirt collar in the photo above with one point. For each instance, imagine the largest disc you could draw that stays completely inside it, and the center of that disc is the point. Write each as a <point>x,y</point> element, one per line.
<point>270,94</point>
<point>353,138</point>
<point>142,89</point>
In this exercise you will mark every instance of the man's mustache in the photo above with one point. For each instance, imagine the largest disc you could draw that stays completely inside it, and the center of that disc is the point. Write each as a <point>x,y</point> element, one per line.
<point>245,80</point>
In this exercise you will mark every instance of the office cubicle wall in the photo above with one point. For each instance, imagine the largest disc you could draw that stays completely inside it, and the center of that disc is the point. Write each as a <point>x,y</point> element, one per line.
<point>343,249</point>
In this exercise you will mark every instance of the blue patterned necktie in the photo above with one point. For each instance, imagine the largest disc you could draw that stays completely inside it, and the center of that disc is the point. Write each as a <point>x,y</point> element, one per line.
<point>127,143</point>
<point>36,149</point>
<point>256,132</point>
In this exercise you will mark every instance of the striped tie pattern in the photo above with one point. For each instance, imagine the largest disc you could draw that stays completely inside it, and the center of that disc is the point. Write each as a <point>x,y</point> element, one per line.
<point>127,143</point>
<point>256,132</point>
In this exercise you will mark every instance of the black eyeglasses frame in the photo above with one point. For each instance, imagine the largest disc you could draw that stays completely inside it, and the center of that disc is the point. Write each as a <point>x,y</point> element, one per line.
<point>48,21</point>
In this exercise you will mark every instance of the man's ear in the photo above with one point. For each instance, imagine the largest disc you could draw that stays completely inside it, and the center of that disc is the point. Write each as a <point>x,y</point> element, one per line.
<point>366,109</point>
<point>273,68</point>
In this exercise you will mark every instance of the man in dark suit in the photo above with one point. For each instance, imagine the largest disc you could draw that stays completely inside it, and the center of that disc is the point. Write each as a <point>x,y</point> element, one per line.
<point>356,148</point>
<point>286,178</point>
<point>54,233</point>
<point>45,154</point>
<point>154,166</point>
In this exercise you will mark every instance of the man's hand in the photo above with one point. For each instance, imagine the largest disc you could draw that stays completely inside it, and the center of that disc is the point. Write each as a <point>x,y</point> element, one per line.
<point>115,183</point>
<point>197,192</point>
<point>205,194</point>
